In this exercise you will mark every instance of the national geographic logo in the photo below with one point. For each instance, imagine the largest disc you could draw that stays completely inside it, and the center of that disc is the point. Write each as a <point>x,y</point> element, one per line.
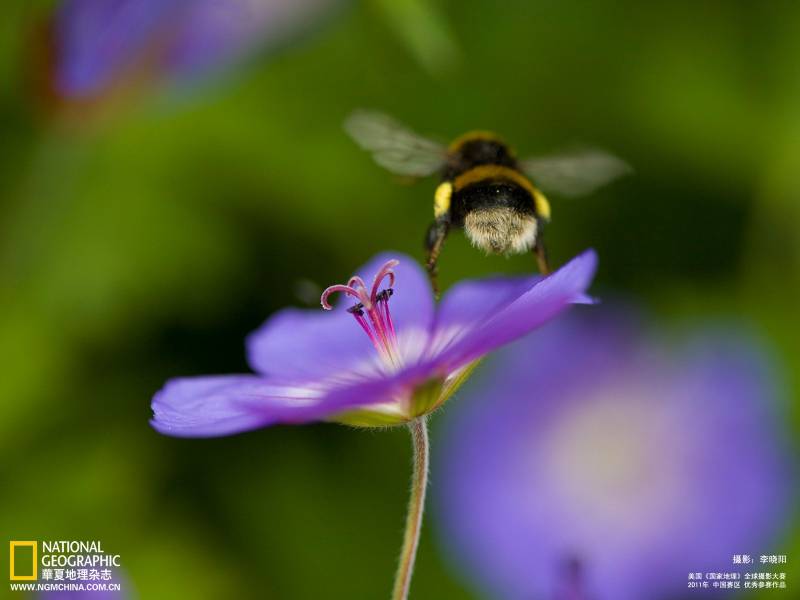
<point>22,561</point>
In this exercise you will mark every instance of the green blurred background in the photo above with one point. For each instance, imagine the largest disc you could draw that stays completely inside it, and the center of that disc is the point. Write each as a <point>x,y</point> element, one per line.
<point>148,243</point>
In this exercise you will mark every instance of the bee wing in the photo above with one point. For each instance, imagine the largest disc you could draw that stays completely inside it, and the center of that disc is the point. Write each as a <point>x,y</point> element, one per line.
<point>394,146</point>
<point>576,173</point>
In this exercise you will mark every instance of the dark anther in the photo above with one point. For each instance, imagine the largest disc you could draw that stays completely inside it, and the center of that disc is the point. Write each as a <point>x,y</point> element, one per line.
<point>356,310</point>
<point>385,294</point>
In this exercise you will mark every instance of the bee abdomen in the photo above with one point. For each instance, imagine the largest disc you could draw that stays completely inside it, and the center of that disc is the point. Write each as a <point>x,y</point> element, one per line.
<point>486,194</point>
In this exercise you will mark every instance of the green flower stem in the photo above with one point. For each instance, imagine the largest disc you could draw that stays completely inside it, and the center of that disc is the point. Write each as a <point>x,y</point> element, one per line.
<point>416,506</point>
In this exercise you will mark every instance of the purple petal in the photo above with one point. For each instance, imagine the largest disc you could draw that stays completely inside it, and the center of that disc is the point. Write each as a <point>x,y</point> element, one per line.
<point>227,404</point>
<point>224,404</point>
<point>317,344</point>
<point>217,33</point>
<point>314,344</point>
<point>477,317</point>
<point>97,39</point>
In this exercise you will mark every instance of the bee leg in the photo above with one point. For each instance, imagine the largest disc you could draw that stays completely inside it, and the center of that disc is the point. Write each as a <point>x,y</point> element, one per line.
<point>541,257</point>
<point>437,233</point>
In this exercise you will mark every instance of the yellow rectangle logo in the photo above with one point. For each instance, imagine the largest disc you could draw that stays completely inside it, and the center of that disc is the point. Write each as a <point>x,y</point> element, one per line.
<point>22,568</point>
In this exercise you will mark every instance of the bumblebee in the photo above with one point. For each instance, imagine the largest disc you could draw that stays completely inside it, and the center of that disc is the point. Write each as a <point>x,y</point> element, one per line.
<point>485,190</point>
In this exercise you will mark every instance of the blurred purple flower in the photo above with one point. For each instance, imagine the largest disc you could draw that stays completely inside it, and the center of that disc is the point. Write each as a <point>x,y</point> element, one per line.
<point>605,466</point>
<point>102,43</point>
<point>363,364</point>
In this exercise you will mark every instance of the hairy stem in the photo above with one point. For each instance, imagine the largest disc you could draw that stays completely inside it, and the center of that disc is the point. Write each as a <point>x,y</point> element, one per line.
<point>416,505</point>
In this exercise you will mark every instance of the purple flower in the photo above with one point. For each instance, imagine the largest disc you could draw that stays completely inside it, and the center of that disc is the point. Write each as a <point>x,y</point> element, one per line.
<point>383,358</point>
<point>596,463</point>
<point>101,43</point>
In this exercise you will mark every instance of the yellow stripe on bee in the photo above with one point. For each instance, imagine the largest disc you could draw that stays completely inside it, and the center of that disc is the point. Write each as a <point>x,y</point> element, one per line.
<point>441,199</point>
<point>542,204</point>
<point>473,136</point>
<point>495,172</point>
<point>492,172</point>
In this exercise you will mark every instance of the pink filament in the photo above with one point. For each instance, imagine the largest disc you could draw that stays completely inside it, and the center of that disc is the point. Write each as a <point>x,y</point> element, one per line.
<point>346,289</point>
<point>385,270</point>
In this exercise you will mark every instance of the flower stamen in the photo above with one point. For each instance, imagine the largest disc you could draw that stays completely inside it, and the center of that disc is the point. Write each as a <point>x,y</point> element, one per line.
<point>371,310</point>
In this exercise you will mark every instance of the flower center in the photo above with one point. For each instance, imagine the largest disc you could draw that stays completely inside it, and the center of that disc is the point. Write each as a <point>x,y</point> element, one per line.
<point>371,310</point>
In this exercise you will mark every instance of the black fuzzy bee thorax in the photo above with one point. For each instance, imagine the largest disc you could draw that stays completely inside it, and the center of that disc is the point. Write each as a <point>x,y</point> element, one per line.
<point>473,153</point>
